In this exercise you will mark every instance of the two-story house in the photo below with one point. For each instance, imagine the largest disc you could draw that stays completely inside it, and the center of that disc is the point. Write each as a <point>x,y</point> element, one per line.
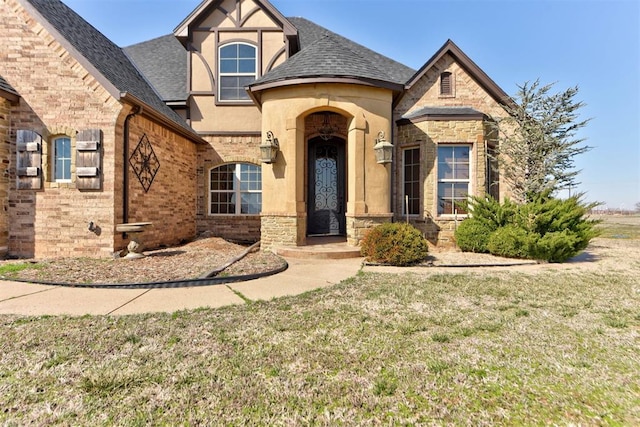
<point>242,123</point>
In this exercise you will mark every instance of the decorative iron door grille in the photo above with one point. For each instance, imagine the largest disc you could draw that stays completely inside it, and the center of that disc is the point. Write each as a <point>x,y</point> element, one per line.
<point>326,198</point>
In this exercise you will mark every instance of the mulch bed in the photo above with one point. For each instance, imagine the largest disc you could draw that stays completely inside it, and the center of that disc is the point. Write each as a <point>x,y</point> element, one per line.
<point>188,261</point>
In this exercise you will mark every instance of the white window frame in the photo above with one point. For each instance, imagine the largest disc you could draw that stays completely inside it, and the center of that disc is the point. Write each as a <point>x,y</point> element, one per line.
<point>404,180</point>
<point>222,74</point>
<point>55,158</point>
<point>237,191</point>
<point>439,180</point>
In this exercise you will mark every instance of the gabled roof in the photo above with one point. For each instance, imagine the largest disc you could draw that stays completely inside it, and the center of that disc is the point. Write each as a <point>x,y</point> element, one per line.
<point>6,91</point>
<point>469,66</point>
<point>204,8</point>
<point>163,61</point>
<point>327,56</point>
<point>102,58</point>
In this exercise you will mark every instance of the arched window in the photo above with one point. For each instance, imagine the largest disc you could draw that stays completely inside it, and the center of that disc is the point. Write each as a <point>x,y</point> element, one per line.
<point>62,159</point>
<point>235,189</point>
<point>237,67</point>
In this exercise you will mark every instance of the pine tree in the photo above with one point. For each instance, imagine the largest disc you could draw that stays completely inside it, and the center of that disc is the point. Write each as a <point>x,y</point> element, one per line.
<point>537,142</point>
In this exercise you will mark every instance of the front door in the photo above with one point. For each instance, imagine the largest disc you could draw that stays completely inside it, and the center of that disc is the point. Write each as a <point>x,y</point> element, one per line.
<point>326,195</point>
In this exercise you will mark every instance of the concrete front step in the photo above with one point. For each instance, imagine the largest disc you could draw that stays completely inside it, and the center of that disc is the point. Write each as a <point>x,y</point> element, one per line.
<point>320,248</point>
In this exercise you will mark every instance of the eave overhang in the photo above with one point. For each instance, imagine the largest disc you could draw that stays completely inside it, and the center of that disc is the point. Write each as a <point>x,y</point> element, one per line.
<point>152,114</point>
<point>9,96</point>
<point>255,91</point>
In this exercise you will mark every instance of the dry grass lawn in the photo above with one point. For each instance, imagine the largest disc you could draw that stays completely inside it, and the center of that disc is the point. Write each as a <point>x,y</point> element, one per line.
<point>542,346</point>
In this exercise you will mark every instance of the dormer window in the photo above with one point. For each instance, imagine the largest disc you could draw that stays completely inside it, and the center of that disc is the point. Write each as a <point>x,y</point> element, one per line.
<point>237,69</point>
<point>446,84</point>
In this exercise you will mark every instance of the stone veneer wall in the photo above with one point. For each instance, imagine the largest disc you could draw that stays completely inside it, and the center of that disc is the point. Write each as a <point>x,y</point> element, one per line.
<point>427,135</point>
<point>357,226</point>
<point>281,230</point>
<point>225,149</point>
<point>5,159</point>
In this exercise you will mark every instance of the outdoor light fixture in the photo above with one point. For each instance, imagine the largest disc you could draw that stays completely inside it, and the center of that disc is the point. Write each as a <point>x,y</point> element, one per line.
<point>269,149</point>
<point>383,149</point>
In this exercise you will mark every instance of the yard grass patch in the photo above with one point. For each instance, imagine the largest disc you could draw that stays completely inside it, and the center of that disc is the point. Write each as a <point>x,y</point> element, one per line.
<point>505,348</point>
<point>10,270</point>
<point>621,227</point>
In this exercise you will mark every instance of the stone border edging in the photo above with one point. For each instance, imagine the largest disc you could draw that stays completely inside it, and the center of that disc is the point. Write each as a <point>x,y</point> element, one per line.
<point>171,284</point>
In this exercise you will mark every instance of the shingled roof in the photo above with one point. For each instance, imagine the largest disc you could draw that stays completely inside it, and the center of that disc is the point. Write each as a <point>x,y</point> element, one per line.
<point>163,61</point>
<point>90,47</point>
<point>324,53</point>
<point>441,113</point>
<point>7,89</point>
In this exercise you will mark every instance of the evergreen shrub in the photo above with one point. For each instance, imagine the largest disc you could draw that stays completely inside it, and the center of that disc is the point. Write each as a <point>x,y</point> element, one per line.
<point>472,235</point>
<point>546,228</point>
<point>511,241</point>
<point>398,244</point>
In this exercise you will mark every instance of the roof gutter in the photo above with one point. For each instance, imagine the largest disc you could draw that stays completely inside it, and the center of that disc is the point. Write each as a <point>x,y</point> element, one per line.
<point>150,112</point>
<point>255,90</point>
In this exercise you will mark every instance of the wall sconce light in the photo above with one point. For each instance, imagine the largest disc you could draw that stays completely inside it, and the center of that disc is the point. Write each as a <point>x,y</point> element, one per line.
<point>383,149</point>
<point>269,149</point>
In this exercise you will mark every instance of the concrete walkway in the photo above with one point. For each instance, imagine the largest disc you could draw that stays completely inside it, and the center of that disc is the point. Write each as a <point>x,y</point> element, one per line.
<point>302,275</point>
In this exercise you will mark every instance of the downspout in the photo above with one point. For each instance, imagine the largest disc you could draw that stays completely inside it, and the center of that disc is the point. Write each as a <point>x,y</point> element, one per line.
<point>393,167</point>
<point>125,167</point>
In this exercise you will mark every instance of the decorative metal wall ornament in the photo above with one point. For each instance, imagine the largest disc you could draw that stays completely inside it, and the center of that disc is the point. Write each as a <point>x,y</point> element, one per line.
<point>144,162</point>
<point>326,131</point>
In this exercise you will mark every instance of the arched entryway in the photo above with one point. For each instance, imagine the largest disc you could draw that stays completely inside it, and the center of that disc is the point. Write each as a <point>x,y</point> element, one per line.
<point>326,196</point>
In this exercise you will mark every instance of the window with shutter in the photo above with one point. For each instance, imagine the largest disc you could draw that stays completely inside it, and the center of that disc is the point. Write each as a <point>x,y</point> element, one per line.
<point>446,84</point>
<point>28,160</point>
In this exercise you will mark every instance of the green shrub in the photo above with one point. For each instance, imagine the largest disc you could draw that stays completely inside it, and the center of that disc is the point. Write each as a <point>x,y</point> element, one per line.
<point>397,244</point>
<point>491,212</point>
<point>557,246</point>
<point>473,235</point>
<point>550,229</point>
<point>511,241</point>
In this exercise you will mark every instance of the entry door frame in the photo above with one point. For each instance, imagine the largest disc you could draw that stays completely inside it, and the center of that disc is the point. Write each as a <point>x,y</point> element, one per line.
<point>326,215</point>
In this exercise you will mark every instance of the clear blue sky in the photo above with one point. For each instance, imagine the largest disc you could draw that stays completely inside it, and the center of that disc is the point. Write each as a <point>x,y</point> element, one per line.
<point>592,44</point>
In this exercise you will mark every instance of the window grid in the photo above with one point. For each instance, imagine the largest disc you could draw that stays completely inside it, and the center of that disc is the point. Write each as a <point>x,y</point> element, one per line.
<point>62,159</point>
<point>236,189</point>
<point>453,178</point>
<point>411,181</point>
<point>237,69</point>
